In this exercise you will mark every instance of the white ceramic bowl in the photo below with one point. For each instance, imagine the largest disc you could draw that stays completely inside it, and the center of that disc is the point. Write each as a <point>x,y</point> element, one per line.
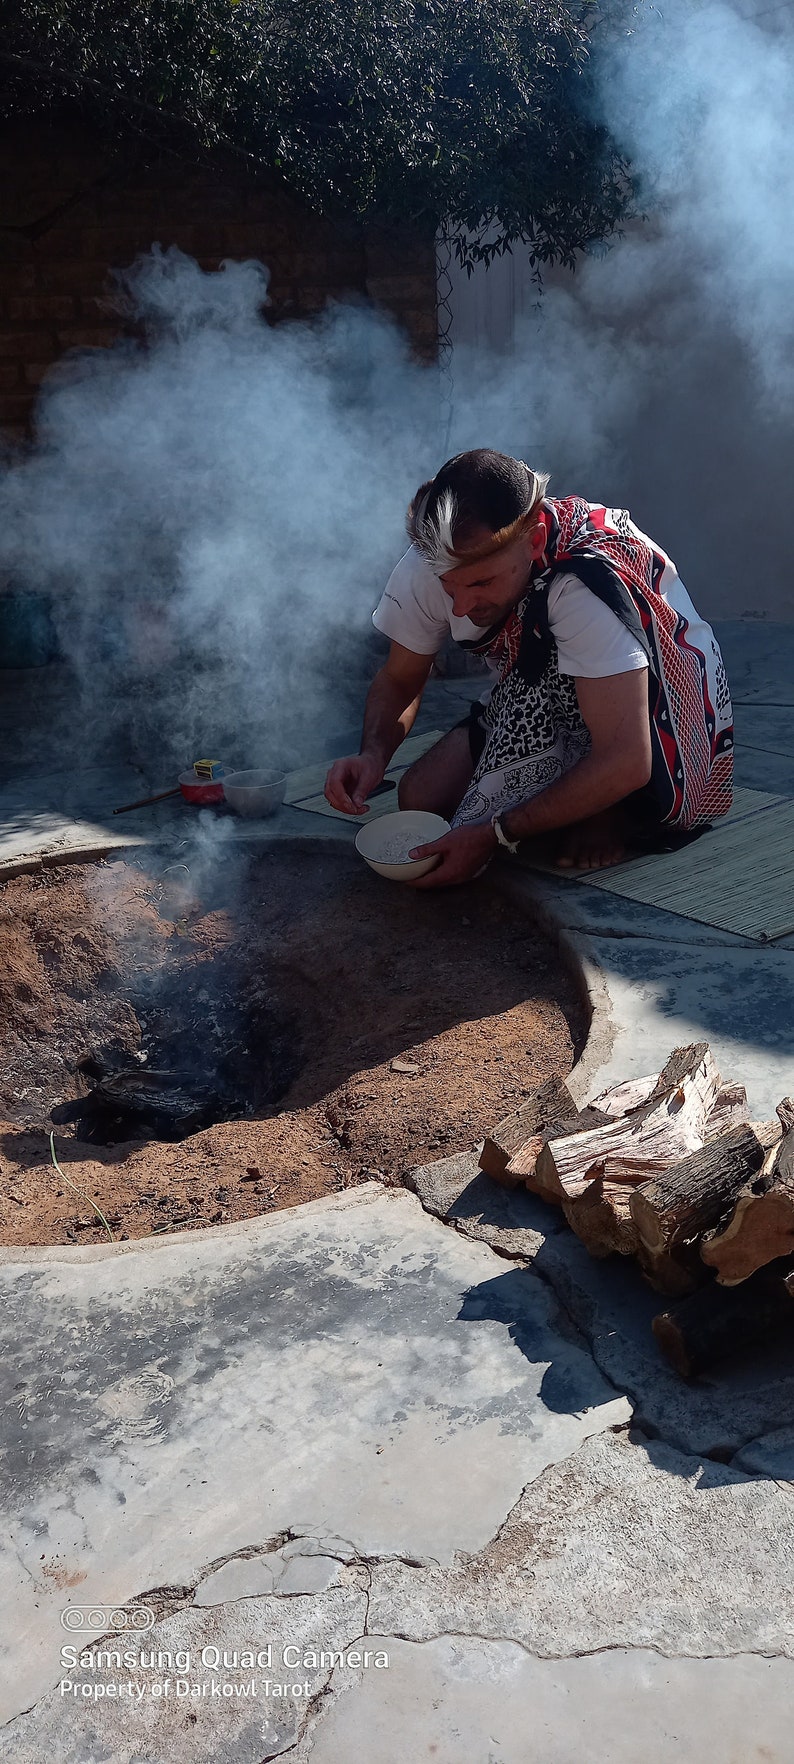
<point>254,794</point>
<point>409,827</point>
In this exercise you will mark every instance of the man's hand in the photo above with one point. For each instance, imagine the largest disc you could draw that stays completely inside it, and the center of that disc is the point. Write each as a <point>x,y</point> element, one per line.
<point>463,853</point>
<point>392,703</point>
<point>351,780</point>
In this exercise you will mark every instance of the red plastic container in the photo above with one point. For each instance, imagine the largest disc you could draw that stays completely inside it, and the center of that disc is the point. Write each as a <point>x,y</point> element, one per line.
<point>200,791</point>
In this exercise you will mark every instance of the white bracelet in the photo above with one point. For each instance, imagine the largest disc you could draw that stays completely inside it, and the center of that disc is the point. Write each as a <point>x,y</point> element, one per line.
<point>509,844</point>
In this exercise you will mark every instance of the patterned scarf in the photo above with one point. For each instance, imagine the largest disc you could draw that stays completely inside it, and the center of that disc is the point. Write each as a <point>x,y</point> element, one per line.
<point>689,701</point>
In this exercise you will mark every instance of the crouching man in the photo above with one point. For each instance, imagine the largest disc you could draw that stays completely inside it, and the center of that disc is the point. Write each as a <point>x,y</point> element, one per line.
<point>609,715</point>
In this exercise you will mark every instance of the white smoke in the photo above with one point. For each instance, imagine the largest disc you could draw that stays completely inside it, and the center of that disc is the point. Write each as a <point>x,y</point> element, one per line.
<point>216,509</point>
<point>702,98</point>
<point>660,376</point>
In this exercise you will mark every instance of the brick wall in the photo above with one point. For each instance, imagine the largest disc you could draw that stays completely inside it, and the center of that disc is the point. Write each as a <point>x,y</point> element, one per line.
<point>72,209</point>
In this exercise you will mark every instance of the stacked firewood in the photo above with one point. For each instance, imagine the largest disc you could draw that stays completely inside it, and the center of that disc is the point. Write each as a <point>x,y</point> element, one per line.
<point>671,1170</point>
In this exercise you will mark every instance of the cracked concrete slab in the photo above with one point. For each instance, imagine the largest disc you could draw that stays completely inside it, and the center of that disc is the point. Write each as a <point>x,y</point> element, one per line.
<point>293,1569</point>
<point>66,816</point>
<point>490,1703</point>
<point>348,1366</point>
<point>627,1544</point>
<point>715,1414</point>
<point>765,726</point>
<point>759,658</point>
<point>512,1221</point>
<point>163,1708</point>
<point>757,769</point>
<point>613,1306</point>
<point>772,1454</point>
<point>660,995</point>
<point>302,1428</point>
<point>576,1569</point>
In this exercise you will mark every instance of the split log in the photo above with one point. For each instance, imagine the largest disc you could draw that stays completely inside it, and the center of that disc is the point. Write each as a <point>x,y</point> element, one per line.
<point>694,1062</point>
<point>622,1098</point>
<point>730,1110</point>
<point>665,1129</point>
<point>549,1105</point>
<point>699,1191</point>
<point>714,1323</point>
<point>600,1216</point>
<point>523,1164</point>
<point>785,1113</point>
<point>761,1226</point>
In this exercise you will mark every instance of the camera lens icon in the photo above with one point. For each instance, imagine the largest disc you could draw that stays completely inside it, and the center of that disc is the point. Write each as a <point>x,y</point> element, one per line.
<point>98,1619</point>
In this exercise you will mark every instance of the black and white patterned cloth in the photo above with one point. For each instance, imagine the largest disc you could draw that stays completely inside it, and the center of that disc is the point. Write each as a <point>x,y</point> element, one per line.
<point>533,735</point>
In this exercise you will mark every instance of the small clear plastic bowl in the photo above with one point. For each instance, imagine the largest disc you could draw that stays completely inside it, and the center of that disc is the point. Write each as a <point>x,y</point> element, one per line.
<point>255,793</point>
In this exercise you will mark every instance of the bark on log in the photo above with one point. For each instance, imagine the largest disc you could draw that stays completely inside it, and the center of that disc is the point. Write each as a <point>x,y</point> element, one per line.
<point>552,1107</point>
<point>664,1130</point>
<point>600,1216</point>
<point>730,1110</point>
<point>785,1113</point>
<point>700,1190</point>
<point>523,1164</point>
<point>686,1062</point>
<point>761,1226</point>
<point>623,1098</point>
<point>714,1323</point>
<point>549,1104</point>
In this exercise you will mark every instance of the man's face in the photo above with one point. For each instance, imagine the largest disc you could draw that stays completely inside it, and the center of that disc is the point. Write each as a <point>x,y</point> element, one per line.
<point>485,592</point>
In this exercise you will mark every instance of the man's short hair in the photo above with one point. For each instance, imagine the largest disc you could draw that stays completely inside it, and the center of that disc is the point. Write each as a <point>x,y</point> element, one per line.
<point>478,490</point>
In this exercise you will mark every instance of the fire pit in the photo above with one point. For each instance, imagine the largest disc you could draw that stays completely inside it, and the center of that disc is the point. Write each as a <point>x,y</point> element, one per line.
<point>208,1040</point>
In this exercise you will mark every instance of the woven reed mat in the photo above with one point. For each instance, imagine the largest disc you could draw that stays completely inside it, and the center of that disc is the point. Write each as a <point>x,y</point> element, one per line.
<point>737,877</point>
<point>304,789</point>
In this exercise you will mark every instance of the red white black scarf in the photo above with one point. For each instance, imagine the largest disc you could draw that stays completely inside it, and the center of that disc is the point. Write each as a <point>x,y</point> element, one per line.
<point>689,701</point>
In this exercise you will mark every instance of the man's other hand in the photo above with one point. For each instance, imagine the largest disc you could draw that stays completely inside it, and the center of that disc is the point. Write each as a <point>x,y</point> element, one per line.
<point>463,853</point>
<point>351,780</point>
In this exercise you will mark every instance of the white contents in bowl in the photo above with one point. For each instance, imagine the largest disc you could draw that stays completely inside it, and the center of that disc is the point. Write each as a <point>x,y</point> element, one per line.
<point>397,849</point>
<point>386,845</point>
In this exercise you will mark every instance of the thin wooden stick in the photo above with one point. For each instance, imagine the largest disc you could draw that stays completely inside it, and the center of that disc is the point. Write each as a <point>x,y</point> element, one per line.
<point>144,801</point>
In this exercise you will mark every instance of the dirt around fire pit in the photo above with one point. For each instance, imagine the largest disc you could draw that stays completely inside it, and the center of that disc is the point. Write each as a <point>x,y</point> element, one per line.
<point>332,1026</point>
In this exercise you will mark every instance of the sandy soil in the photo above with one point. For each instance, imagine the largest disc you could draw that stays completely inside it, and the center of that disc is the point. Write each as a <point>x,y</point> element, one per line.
<point>305,974</point>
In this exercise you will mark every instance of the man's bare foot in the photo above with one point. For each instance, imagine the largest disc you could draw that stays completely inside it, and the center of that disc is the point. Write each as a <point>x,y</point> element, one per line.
<point>593,844</point>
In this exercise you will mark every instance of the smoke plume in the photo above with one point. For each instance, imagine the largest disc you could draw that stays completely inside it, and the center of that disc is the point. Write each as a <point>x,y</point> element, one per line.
<point>216,507</point>
<point>660,375</point>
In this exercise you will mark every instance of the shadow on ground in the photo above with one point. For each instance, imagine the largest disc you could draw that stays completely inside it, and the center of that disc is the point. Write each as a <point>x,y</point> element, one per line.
<point>740,1413</point>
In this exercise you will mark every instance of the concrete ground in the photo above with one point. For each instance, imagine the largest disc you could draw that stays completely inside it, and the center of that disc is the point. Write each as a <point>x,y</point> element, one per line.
<point>401,1475</point>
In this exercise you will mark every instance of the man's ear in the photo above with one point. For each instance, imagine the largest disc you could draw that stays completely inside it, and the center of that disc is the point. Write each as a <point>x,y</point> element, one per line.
<point>534,541</point>
<point>537,540</point>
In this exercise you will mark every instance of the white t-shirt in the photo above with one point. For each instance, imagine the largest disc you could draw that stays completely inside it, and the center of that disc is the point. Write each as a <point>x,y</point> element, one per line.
<point>591,640</point>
